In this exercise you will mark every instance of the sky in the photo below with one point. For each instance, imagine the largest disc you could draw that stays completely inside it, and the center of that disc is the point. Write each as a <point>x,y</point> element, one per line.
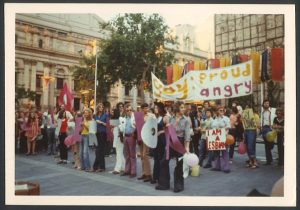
<point>201,18</point>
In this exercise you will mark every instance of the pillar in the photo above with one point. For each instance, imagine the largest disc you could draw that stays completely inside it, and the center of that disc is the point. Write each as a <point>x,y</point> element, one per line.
<point>45,102</point>
<point>33,76</point>
<point>26,77</point>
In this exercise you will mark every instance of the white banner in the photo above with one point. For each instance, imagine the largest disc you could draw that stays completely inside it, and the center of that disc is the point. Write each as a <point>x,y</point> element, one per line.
<point>228,82</point>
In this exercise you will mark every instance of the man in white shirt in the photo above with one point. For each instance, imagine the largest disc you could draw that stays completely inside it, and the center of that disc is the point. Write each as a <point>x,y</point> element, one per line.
<point>266,126</point>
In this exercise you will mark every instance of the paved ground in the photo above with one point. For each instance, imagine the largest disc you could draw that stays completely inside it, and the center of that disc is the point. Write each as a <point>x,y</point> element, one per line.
<point>63,180</point>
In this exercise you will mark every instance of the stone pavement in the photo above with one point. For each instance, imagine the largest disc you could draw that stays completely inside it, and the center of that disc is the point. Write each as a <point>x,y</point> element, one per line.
<point>64,180</point>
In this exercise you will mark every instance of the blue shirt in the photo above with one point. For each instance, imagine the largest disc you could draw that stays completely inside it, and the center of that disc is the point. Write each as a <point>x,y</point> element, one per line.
<point>103,118</point>
<point>129,129</point>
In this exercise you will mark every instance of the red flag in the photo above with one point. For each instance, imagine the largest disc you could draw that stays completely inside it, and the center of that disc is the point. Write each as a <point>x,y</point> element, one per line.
<point>191,66</point>
<point>65,97</point>
<point>244,58</point>
<point>169,70</point>
<point>215,63</point>
<point>277,60</point>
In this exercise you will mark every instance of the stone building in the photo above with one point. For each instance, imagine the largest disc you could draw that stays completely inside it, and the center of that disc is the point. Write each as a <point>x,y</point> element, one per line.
<point>50,44</point>
<point>243,33</point>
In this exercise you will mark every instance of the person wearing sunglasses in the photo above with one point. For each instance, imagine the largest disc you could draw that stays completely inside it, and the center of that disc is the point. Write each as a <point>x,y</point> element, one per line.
<point>127,130</point>
<point>221,157</point>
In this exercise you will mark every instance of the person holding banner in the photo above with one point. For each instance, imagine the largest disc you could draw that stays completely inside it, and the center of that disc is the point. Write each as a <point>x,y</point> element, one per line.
<point>101,120</point>
<point>182,128</point>
<point>221,157</point>
<point>127,129</point>
<point>251,123</point>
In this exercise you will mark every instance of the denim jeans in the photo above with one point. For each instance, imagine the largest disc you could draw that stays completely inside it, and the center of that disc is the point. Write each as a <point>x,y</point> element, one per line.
<point>268,145</point>
<point>250,140</point>
<point>51,140</point>
<point>84,152</point>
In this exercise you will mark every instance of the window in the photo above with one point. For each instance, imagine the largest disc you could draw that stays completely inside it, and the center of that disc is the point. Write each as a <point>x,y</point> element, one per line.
<point>127,90</point>
<point>76,104</point>
<point>59,83</point>
<point>38,100</point>
<point>38,81</point>
<point>76,84</point>
<point>40,43</point>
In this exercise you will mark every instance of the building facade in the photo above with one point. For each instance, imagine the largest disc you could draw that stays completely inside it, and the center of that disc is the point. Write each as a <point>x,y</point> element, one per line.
<point>48,45</point>
<point>243,33</point>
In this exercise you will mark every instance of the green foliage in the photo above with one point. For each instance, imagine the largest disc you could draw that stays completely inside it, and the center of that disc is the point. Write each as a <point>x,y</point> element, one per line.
<point>136,45</point>
<point>21,93</point>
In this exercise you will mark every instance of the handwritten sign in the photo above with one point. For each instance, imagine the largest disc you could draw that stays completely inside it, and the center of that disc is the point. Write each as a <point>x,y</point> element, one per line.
<point>228,82</point>
<point>216,139</point>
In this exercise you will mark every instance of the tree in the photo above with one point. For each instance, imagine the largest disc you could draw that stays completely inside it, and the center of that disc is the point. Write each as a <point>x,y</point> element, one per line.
<point>137,46</point>
<point>85,73</point>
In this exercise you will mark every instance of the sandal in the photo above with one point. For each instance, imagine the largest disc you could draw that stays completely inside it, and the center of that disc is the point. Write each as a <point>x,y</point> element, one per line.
<point>253,166</point>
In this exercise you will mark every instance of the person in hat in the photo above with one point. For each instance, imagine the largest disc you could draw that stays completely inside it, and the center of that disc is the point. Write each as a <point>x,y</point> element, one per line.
<point>159,151</point>
<point>221,157</point>
<point>144,149</point>
<point>182,128</point>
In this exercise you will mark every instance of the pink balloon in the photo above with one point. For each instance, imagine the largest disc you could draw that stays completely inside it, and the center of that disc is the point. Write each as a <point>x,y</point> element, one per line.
<point>242,149</point>
<point>192,159</point>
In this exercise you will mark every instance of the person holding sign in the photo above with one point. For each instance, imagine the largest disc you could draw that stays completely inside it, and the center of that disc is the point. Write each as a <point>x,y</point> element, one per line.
<point>221,125</point>
<point>182,127</point>
<point>251,123</point>
<point>205,125</point>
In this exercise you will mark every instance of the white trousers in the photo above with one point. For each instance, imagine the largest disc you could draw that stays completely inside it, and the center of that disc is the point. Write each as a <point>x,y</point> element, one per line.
<point>120,160</point>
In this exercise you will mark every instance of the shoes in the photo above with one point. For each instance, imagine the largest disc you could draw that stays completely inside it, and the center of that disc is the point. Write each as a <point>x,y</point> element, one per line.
<point>215,169</point>
<point>153,181</point>
<point>125,174</point>
<point>176,190</point>
<point>132,175</point>
<point>100,170</point>
<point>226,171</point>
<point>207,166</point>
<point>148,179</point>
<point>159,187</point>
<point>142,177</point>
<point>115,172</point>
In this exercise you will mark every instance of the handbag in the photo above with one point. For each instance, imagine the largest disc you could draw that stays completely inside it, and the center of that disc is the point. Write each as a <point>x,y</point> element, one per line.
<point>242,149</point>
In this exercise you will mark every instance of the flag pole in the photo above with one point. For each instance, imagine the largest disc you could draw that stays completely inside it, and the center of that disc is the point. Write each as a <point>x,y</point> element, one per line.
<point>95,92</point>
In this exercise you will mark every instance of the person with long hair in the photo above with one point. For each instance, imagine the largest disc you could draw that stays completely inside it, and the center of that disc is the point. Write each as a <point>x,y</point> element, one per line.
<point>32,131</point>
<point>22,132</point>
<point>251,123</point>
<point>159,151</point>
<point>182,128</point>
<point>221,157</point>
<point>84,146</point>
<point>101,120</point>
<point>63,150</point>
<point>118,140</point>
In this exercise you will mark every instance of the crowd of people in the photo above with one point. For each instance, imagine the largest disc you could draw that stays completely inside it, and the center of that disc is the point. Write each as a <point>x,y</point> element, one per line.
<point>190,122</point>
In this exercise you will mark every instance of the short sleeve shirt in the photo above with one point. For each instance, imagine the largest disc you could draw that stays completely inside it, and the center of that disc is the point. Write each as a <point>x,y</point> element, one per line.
<point>182,128</point>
